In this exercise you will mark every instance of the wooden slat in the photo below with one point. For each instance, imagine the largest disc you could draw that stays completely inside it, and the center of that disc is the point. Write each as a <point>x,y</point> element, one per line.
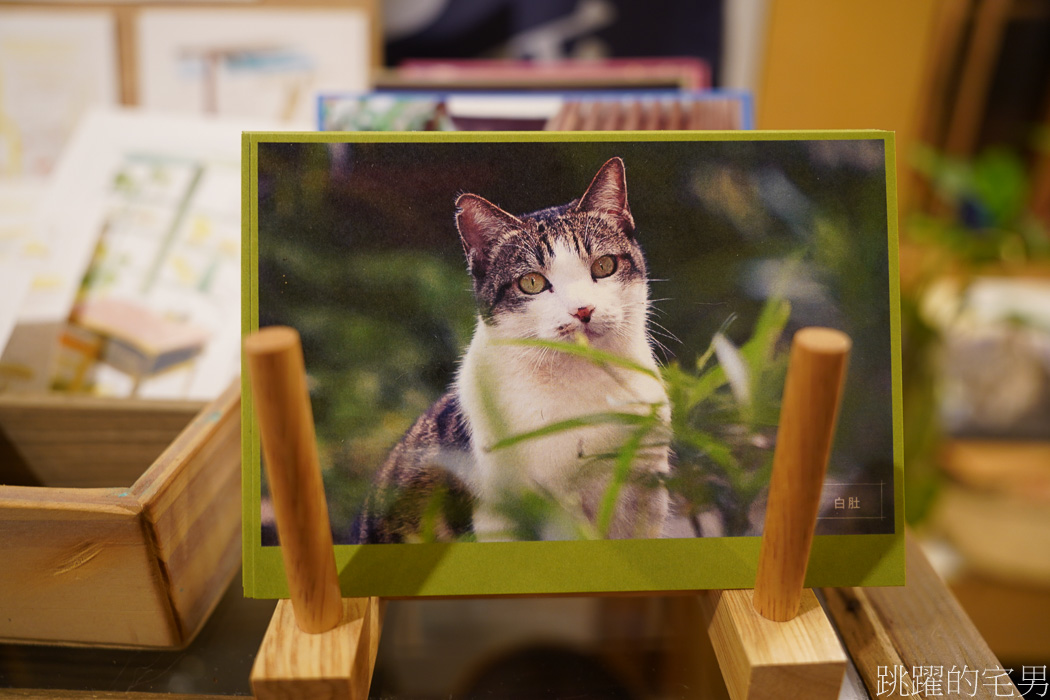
<point>614,115</point>
<point>676,117</point>
<point>651,118</point>
<point>945,46</point>
<point>970,106</point>
<point>191,500</point>
<point>81,441</point>
<point>1039,196</point>
<point>866,639</point>
<point>633,119</point>
<point>591,116</point>
<point>690,663</point>
<point>928,627</point>
<point>59,694</point>
<point>979,523</point>
<point>78,571</point>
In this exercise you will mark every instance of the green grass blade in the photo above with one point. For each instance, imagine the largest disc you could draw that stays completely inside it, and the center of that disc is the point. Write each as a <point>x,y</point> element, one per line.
<point>600,358</point>
<point>570,424</point>
<point>624,460</point>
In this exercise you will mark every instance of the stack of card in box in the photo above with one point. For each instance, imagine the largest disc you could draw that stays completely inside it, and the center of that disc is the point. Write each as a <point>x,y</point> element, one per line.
<point>704,112</point>
<point>562,111</point>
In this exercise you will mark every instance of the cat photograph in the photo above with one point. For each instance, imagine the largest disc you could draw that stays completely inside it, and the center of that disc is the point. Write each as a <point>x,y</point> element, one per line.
<point>571,339</point>
<point>565,273</point>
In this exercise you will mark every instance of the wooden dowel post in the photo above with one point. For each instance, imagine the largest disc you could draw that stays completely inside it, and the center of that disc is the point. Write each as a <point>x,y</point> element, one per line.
<point>808,411</point>
<point>282,405</point>
<point>776,641</point>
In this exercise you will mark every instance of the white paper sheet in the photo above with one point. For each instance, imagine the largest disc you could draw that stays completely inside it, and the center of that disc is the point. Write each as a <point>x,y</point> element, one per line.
<point>53,67</point>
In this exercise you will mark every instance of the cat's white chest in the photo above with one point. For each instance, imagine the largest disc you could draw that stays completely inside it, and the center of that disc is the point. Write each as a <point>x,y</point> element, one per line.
<point>504,393</point>
<point>529,402</point>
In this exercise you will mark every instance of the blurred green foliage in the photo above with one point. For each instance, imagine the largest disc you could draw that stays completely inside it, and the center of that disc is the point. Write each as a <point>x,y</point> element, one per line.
<point>979,218</point>
<point>724,425</point>
<point>982,208</point>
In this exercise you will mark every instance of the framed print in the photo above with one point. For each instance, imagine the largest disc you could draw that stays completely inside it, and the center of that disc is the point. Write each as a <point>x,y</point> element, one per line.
<point>266,62</point>
<point>552,362</point>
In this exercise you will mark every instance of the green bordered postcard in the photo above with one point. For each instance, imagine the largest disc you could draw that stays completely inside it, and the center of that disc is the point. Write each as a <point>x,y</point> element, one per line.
<point>553,362</point>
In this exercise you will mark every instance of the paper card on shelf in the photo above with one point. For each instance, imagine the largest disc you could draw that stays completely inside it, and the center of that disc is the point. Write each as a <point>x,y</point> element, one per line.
<point>582,398</point>
<point>138,293</point>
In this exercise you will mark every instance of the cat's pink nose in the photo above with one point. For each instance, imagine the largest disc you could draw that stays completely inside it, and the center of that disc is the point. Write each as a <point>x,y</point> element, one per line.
<point>584,313</point>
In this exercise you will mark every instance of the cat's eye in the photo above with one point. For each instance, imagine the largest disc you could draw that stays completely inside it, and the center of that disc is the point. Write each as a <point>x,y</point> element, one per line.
<point>603,266</point>
<point>533,283</point>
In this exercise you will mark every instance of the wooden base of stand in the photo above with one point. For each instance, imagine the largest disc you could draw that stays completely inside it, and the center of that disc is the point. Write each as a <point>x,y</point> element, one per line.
<point>337,664</point>
<point>760,658</point>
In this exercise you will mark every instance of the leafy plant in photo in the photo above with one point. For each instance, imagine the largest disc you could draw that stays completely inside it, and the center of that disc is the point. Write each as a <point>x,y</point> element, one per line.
<point>723,416</point>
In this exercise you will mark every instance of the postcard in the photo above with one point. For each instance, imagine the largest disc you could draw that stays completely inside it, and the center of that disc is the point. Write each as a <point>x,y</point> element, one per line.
<point>552,362</point>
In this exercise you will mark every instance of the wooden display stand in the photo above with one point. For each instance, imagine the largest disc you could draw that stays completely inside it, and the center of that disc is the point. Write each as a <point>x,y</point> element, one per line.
<point>774,641</point>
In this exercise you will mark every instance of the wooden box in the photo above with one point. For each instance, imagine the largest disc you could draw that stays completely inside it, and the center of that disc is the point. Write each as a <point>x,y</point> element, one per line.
<point>114,545</point>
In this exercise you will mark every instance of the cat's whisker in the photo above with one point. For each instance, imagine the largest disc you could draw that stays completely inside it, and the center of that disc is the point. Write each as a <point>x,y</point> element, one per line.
<point>661,349</point>
<point>658,329</point>
<point>656,313</point>
<point>544,358</point>
<point>655,335</point>
<point>656,326</point>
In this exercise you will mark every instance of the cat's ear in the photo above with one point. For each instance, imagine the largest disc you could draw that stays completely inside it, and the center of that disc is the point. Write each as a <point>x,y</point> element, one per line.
<point>608,194</point>
<point>480,223</point>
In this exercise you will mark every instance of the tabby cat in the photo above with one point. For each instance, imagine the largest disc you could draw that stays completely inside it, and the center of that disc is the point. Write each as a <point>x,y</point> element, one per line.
<point>570,273</point>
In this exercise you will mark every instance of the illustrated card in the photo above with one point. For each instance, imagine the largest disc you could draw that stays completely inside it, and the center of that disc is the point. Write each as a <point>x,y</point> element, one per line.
<point>132,262</point>
<point>548,362</point>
